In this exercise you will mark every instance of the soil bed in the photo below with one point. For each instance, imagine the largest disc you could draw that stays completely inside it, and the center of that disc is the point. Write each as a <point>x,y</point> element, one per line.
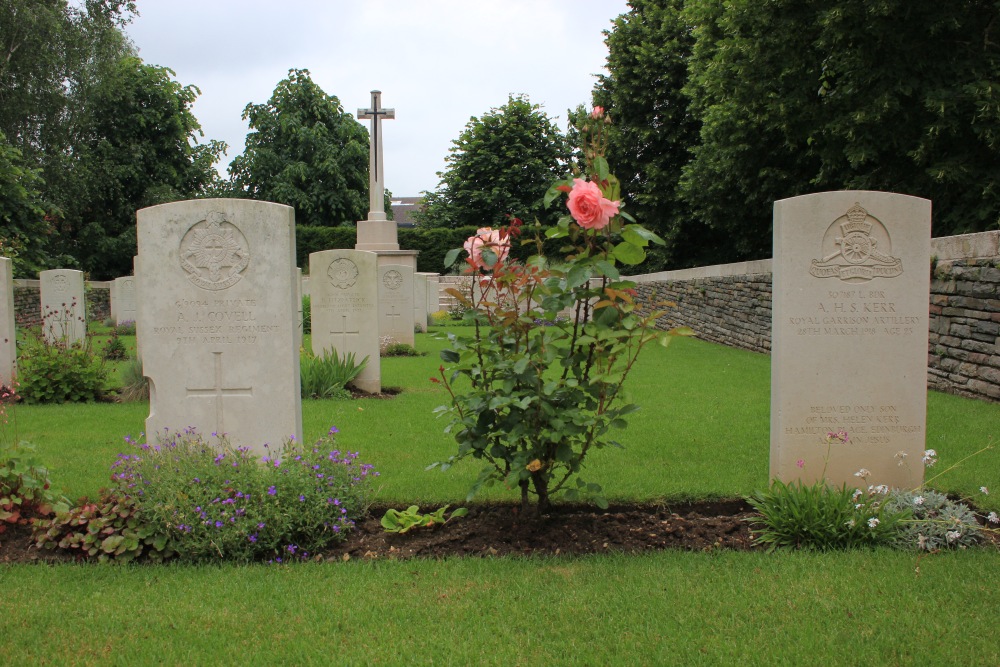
<point>502,530</point>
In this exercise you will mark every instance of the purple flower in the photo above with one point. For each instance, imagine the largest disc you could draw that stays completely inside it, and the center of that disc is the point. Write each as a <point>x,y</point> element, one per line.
<point>271,491</point>
<point>334,429</point>
<point>218,524</point>
<point>292,548</point>
<point>302,499</point>
<point>253,538</point>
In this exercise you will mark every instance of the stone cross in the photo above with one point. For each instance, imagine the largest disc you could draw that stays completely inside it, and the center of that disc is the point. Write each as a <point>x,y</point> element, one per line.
<point>376,178</point>
<point>343,332</point>
<point>219,392</point>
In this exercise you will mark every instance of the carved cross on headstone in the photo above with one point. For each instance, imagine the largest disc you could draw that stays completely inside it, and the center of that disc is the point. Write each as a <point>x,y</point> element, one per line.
<point>376,179</point>
<point>219,392</point>
<point>392,313</point>
<point>343,333</point>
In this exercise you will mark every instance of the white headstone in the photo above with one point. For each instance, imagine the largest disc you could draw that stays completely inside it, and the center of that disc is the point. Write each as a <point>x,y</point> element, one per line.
<point>123,299</point>
<point>345,309</point>
<point>395,302</point>
<point>433,296</point>
<point>849,337</point>
<point>420,301</point>
<point>8,334</point>
<point>216,319</point>
<point>64,308</point>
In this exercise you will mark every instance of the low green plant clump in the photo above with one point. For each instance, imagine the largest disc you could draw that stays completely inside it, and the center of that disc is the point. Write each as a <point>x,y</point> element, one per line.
<point>25,489</point>
<point>391,348</point>
<point>936,522</point>
<point>306,314</point>
<point>440,317</point>
<point>60,372</point>
<point>114,349</point>
<point>397,521</point>
<point>328,375</point>
<point>135,385</point>
<point>124,328</point>
<point>187,498</point>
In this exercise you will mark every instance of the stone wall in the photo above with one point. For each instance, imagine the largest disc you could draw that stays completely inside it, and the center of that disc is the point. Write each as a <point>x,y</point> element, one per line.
<point>731,305</point>
<point>28,309</point>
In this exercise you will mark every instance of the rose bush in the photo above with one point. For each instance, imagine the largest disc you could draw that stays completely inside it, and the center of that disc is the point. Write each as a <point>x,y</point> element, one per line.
<point>533,401</point>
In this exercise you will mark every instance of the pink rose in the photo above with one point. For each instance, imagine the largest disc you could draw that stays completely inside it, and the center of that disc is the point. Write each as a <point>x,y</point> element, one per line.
<point>597,113</point>
<point>588,206</point>
<point>487,237</point>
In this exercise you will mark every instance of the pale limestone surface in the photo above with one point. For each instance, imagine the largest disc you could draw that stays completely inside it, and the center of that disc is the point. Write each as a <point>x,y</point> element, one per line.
<point>64,308</point>
<point>395,302</point>
<point>123,307</point>
<point>345,309</point>
<point>299,330</point>
<point>849,332</point>
<point>420,301</point>
<point>8,347</point>
<point>433,295</point>
<point>216,319</point>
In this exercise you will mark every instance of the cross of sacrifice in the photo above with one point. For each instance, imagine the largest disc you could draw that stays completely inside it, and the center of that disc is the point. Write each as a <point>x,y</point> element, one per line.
<point>344,333</point>
<point>376,179</point>
<point>219,392</point>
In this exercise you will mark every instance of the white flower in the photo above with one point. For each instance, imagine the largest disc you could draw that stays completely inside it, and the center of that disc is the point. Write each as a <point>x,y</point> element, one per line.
<point>881,488</point>
<point>930,457</point>
<point>953,535</point>
<point>901,455</point>
<point>863,473</point>
<point>872,522</point>
<point>857,492</point>
<point>993,518</point>
<point>850,523</point>
<point>857,506</point>
<point>984,490</point>
<point>919,500</point>
<point>921,541</point>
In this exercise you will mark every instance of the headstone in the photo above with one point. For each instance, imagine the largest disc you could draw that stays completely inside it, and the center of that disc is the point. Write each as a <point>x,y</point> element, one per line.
<point>433,296</point>
<point>64,308</point>
<point>345,310</point>
<point>849,337</point>
<point>123,299</point>
<point>216,319</point>
<point>420,302</point>
<point>395,302</point>
<point>8,334</point>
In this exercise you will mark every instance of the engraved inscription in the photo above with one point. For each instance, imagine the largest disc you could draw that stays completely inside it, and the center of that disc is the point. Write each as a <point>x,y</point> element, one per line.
<point>855,313</point>
<point>392,279</point>
<point>343,273</point>
<point>218,321</point>
<point>214,253</point>
<point>60,284</point>
<point>866,424</point>
<point>856,248</point>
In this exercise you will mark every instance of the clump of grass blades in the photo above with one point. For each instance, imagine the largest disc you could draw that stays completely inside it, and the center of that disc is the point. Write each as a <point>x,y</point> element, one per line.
<point>327,375</point>
<point>135,385</point>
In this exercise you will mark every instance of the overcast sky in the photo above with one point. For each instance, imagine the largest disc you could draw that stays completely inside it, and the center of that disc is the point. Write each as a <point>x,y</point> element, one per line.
<point>437,62</point>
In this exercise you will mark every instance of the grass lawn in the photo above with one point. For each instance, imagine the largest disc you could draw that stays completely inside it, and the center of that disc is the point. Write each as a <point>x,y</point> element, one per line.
<point>702,432</point>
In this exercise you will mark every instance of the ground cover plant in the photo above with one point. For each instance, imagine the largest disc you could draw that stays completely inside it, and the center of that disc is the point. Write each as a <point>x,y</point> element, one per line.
<point>705,438</point>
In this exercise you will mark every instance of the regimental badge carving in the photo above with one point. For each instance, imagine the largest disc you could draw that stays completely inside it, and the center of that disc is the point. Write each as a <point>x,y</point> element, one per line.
<point>343,273</point>
<point>856,248</point>
<point>392,279</point>
<point>60,284</point>
<point>214,253</point>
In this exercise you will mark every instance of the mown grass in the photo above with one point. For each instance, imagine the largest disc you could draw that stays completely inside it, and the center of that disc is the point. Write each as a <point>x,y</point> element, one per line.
<point>702,432</point>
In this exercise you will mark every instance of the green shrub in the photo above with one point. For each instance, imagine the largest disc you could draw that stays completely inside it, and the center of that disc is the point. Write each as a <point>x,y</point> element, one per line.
<point>326,376</point>
<point>60,373</point>
<point>306,314</point>
<point>937,522</point>
<point>217,502</point>
<point>114,349</point>
<point>24,486</point>
<point>390,348</point>
<point>113,528</point>
<point>822,518</point>
<point>125,328</point>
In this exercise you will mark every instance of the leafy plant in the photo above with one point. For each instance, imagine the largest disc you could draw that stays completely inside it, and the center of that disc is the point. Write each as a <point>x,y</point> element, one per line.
<point>396,521</point>
<point>535,401</point>
<point>400,350</point>
<point>58,372</point>
<point>440,317</point>
<point>24,486</point>
<point>327,375</point>
<point>220,502</point>
<point>820,517</point>
<point>937,522</point>
<point>113,528</point>
<point>115,348</point>
<point>457,311</point>
<point>125,328</point>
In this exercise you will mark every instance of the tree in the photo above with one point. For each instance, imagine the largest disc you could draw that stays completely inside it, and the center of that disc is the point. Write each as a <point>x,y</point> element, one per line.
<point>24,224</point>
<point>305,151</point>
<point>500,166</point>
<point>653,128</point>
<point>137,147</point>
<point>797,97</point>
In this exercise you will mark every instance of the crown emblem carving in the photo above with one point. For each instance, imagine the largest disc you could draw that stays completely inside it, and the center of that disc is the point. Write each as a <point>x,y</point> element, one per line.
<point>857,221</point>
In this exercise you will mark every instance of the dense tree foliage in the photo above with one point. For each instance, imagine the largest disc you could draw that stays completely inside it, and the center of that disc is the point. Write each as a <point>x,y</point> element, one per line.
<point>90,130</point>
<point>305,151</point>
<point>500,166</point>
<point>24,227</point>
<point>722,108</point>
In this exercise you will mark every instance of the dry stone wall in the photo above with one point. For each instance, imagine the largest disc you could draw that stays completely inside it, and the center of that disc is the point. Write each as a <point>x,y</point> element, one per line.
<point>28,309</point>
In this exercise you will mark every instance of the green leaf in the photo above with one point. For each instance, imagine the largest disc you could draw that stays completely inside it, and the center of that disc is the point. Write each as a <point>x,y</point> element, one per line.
<point>450,356</point>
<point>601,168</point>
<point>451,256</point>
<point>630,254</point>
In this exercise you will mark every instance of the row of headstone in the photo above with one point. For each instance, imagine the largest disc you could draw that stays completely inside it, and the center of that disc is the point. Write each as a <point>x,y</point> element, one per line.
<point>123,304</point>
